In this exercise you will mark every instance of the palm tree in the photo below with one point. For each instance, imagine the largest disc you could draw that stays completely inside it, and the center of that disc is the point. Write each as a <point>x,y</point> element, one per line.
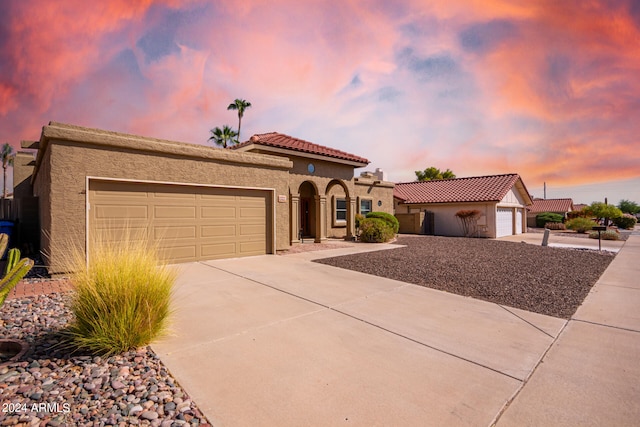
<point>7,160</point>
<point>240,105</point>
<point>223,137</point>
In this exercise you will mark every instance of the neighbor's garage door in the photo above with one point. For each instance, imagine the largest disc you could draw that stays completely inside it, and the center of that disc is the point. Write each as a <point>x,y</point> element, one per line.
<point>188,223</point>
<point>504,222</point>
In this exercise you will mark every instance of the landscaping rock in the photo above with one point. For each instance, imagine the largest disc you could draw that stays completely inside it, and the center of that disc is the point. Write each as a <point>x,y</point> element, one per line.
<point>545,280</point>
<point>58,388</point>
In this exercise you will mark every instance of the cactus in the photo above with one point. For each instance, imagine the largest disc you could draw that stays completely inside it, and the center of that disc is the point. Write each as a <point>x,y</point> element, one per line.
<point>16,268</point>
<point>4,242</point>
<point>13,256</point>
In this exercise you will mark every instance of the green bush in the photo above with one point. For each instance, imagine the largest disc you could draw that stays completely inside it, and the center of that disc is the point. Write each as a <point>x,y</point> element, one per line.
<point>580,225</point>
<point>390,219</point>
<point>626,221</point>
<point>555,226</point>
<point>545,217</point>
<point>375,230</point>
<point>605,235</point>
<point>122,297</point>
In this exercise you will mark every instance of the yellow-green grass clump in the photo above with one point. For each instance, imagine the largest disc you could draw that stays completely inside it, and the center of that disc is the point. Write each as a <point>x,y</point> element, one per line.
<point>122,296</point>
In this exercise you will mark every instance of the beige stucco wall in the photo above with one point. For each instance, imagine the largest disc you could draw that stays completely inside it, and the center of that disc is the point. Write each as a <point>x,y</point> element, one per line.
<point>25,205</point>
<point>61,180</point>
<point>379,192</point>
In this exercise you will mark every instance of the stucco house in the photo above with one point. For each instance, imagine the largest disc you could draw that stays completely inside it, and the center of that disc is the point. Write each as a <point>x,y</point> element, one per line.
<point>196,202</point>
<point>501,200</point>
<point>559,206</point>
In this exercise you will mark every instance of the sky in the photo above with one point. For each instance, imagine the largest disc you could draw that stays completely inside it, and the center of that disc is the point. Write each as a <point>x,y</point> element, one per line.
<point>547,89</point>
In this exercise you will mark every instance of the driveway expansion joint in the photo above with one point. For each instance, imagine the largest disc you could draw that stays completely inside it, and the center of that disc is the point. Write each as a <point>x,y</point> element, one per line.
<point>605,325</point>
<point>334,309</point>
<point>527,322</point>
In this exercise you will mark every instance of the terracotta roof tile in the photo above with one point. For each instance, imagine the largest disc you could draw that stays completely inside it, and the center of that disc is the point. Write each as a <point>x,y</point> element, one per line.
<point>551,205</point>
<point>472,189</point>
<point>279,140</point>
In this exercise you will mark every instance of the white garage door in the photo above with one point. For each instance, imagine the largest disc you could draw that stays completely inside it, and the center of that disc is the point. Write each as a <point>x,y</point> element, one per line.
<point>504,222</point>
<point>187,223</point>
<point>518,221</point>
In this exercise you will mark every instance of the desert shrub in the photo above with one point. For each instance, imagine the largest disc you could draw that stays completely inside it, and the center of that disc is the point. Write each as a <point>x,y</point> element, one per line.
<point>555,226</point>
<point>580,225</point>
<point>626,221</point>
<point>605,235</point>
<point>545,217</point>
<point>388,218</point>
<point>375,230</point>
<point>122,297</point>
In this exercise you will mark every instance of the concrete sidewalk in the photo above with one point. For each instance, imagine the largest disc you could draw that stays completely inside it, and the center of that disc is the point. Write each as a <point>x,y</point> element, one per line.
<point>591,374</point>
<point>279,340</point>
<point>564,241</point>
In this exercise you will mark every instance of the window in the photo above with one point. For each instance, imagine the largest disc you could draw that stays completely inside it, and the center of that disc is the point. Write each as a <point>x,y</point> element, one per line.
<point>365,206</point>
<point>341,210</point>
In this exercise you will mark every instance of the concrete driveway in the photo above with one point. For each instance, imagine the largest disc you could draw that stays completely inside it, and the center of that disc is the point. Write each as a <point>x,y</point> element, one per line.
<point>278,340</point>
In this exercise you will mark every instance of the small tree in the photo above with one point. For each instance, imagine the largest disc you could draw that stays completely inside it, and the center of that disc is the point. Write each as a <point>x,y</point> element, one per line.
<point>239,105</point>
<point>433,173</point>
<point>469,221</point>
<point>605,211</point>
<point>627,206</point>
<point>223,137</point>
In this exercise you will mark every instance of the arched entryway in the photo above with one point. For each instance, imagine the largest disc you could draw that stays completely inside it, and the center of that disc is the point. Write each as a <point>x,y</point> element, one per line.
<point>307,211</point>
<point>340,210</point>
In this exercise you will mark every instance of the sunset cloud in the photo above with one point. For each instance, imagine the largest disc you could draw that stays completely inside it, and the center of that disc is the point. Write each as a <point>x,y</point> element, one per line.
<point>546,89</point>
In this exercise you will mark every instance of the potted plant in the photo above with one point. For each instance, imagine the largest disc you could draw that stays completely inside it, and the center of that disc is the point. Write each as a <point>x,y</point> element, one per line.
<point>16,268</point>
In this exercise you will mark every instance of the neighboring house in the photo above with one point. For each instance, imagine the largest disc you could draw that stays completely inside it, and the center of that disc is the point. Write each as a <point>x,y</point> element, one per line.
<point>558,206</point>
<point>579,206</point>
<point>501,200</point>
<point>196,202</point>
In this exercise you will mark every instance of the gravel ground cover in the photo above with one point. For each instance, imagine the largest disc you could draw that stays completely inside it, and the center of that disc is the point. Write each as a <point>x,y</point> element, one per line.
<point>51,387</point>
<point>545,280</point>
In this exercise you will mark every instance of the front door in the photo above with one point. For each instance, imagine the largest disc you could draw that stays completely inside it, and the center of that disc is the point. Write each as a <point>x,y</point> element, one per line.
<point>305,220</point>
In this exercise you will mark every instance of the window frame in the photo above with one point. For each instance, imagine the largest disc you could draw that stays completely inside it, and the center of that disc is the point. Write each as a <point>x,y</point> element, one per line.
<point>339,222</point>
<point>360,210</point>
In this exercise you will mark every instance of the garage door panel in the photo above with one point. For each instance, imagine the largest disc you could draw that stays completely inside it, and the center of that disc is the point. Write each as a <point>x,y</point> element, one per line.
<point>186,223</point>
<point>218,231</point>
<point>248,212</point>
<point>133,195</point>
<point>219,250</point>
<point>175,232</point>
<point>170,196</point>
<point>252,229</point>
<point>218,212</point>
<point>217,197</point>
<point>108,232</point>
<point>175,212</point>
<point>121,211</point>
<point>251,248</point>
<point>177,253</point>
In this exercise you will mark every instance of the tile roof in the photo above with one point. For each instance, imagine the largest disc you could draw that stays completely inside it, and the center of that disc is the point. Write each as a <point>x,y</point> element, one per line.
<point>472,189</point>
<point>279,140</point>
<point>551,205</point>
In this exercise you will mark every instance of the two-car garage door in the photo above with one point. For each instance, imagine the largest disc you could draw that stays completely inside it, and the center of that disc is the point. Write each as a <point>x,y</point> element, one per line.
<point>188,223</point>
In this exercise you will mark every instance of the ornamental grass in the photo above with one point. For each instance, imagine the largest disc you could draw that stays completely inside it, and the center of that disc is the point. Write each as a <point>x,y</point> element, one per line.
<point>122,296</point>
